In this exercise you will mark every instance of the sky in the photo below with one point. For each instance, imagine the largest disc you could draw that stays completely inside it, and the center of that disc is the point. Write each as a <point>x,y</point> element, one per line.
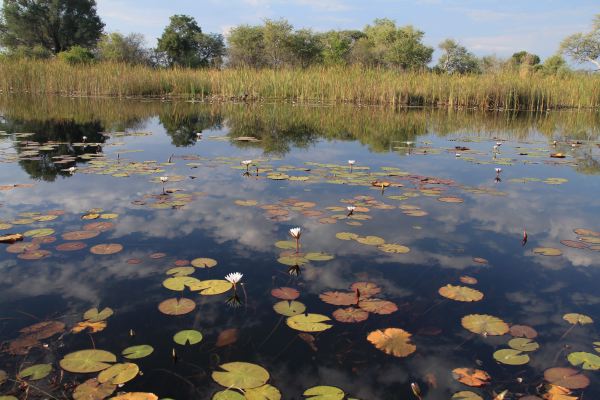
<point>484,26</point>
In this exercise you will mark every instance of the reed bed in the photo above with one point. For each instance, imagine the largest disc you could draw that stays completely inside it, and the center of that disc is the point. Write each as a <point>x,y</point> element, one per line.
<point>504,91</point>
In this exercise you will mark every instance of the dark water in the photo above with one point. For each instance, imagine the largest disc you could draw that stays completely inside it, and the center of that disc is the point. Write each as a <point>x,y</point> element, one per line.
<point>201,219</point>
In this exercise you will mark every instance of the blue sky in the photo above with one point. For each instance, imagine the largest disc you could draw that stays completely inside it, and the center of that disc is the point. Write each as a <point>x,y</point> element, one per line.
<point>484,26</point>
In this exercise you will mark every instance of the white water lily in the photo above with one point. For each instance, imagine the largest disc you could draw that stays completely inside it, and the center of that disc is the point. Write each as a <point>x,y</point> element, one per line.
<point>198,134</point>
<point>457,154</point>
<point>498,143</point>
<point>246,162</point>
<point>351,208</point>
<point>498,170</point>
<point>351,162</point>
<point>234,277</point>
<point>84,138</point>
<point>164,179</point>
<point>495,147</point>
<point>296,232</point>
<point>554,142</point>
<point>72,169</point>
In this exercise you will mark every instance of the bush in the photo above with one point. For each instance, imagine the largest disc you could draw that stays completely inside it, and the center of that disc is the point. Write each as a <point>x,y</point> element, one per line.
<point>30,53</point>
<point>76,55</point>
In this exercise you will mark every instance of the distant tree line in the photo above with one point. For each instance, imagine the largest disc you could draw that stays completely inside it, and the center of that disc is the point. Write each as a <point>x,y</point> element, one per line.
<point>71,30</point>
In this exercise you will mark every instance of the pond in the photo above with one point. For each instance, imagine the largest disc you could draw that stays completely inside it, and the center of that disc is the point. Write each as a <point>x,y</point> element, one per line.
<point>457,251</point>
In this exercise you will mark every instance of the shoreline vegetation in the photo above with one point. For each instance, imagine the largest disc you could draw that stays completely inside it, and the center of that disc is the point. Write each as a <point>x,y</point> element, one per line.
<point>357,85</point>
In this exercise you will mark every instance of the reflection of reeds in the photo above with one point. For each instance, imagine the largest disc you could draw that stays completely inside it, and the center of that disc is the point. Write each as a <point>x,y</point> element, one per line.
<point>508,91</point>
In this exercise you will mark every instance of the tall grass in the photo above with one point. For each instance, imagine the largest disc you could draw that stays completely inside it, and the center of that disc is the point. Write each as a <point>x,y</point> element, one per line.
<point>508,91</point>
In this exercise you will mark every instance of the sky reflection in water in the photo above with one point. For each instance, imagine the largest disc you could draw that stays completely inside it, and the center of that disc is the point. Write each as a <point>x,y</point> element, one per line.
<point>519,286</point>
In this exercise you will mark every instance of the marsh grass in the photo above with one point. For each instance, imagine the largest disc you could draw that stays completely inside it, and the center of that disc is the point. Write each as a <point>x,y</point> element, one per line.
<point>506,91</point>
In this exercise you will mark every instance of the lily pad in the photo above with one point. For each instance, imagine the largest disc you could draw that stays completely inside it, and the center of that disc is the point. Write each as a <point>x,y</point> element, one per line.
<point>393,248</point>
<point>212,287</point>
<point>587,361</point>
<point>264,392</point>
<point>309,322</point>
<point>119,373</point>
<point>484,324</point>
<point>188,336</point>
<point>324,393</point>
<point>241,375</point>
<point>139,351</point>
<point>87,361</point>
<point>471,377</point>
<point>547,251</point>
<point>466,395</point>
<point>35,372</point>
<point>511,357</point>
<point>393,341</point>
<point>203,262</point>
<point>318,256</point>
<point>339,298</point>
<point>286,245</point>
<point>93,315</point>
<point>289,308</point>
<point>285,293</point>
<point>177,306</point>
<point>366,289</point>
<point>346,236</point>
<point>93,390</point>
<point>460,293</point>
<point>566,377</point>
<point>523,344</point>
<point>228,395</point>
<point>577,319</point>
<point>350,315</point>
<point>106,249</point>
<point>378,306</point>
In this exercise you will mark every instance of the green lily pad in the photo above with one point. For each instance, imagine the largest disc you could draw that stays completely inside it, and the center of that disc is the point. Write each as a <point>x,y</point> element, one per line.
<point>318,256</point>
<point>289,308</point>
<point>511,357</point>
<point>93,390</point>
<point>466,395</point>
<point>241,375</point>
<point>371,240</point>
<point>292,260</point>
<point>203,262</point>
<point>587,361</point>
<point>119,373</point>
<point>35,372</point>
<point>228,395</point>
<point>286,245</point>
<point>181,271</point>
<point>177,306</point>
<point>87,361</point>
<point>523,344</point>
<point>135,352</point>
<point>211,287</point>
<point>188,336</point>
<point>264,392</point>
<point>324,393</point>
<point>179,283</point>
<point>93,315</point>
<point>309,322</point>
<point>346,236</point>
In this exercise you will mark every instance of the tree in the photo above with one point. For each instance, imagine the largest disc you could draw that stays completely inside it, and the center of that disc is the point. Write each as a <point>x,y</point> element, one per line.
<point>336,46</point>
<point>128,49</point>
<point>584,47</point>
<point>56,25</point>
<point>524,58</point>
<point>399,47</point>
<point>184,44</point>
<point>456,59</point>
<point>77,55</point>
<point>306,48</point>
<point>278,47</point>
<point>246,46</point>
<point>555,65</point>
<point>492,64</point>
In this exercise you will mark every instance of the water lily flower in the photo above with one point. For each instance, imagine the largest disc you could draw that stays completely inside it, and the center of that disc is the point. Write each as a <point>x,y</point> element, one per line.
<point>84,138</point>
<point>234,278</point>
<point>72,170</point>
<point>247,164</point>
<point>350,210</point>
<point>457,154</point>
<point>351,163</point>
<point>296,233</point>
<point>198,135</point>
<point>498,170</point>
<point>164,179</point>
<point>495,147</point>
<point>554,142</point>
<point>498,144</point>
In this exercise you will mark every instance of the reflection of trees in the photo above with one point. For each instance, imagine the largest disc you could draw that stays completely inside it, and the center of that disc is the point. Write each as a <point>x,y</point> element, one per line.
<point>63,133</point>
<point>588,165</point>
<point>183,128</point>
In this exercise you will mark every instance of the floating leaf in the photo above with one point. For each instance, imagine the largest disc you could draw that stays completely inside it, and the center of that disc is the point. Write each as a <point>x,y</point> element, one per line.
<point>286,244</point>
<point>484,324</point>
<point>292,259</point>
<point>350,315</point>
<point>119,373</point>
<point>460,293</point>
<point>93,390</point>
<point>469,280</point>
<point>371,240</point>
<point>339,298</point>
<point>71,246</point>
<point>471,377</point>
<point>324,393</point>
<point>35,372</point>
<point>181,271</point>
<point>309,322</point>
<point>212,287</point>
<point>466,395</point>
<point>393,341</point>
<point>177,306</point>
<point>378,306</point>
<point>511,357</point>
<point>523,331</point>
<point>566,377</point>
<point>264,392</point>
<point>587,361</point>
<point>80,235</point>
<point>450,199</point>
<point>139,351</point>
<point>285,293</point>
<point>188,336</point>
<point>93,315</point>
<point>36,233</point>
<point>227,337</point>
<point>86,361</point>
<point>547,251</point>
<point>574,318</point>
<point>106,249</point>
<point>136,396</point>
<point>586,232</point>
<point>203,262</point>
<point>393,248</point>
<point>228,395</point>
<point>366,289</point>
<point>318,256</point>
<point>346,236</point>
<point>93,327</point>
<point>523,344</point>
<point>575,244</point>
<point>241,375</point>
<point>179,283</point>
<point>289,308</point>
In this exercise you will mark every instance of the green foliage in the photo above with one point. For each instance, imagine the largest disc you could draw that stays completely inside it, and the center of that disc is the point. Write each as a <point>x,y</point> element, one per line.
<point>584,47</point>
<point>246,46</point>
<point>524,58</point>
<point>54,25</point>
<point>120,48</point>
<point>337,45</point>
<point>36,52</point>
<point>185,45</point>
<point>306,48</point>
<point>76,55</point>
<point>456,59</point>
<point>556,65</point>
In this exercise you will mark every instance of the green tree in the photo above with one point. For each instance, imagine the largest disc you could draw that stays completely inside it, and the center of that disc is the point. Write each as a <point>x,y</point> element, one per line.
<point>584,47</point>
<point>399,47</point>
<point>456,59</point>
<point>56,25</point>
<point>278,43</point>
<point>306,48</point>
<point>524,58</point>
<point>184,44</point>
<point>120,48</point>
<point>246,46</point>
<point>492,64</point>
<point>555,65</point>
<point>337,46</point>
<point>77,55</point>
